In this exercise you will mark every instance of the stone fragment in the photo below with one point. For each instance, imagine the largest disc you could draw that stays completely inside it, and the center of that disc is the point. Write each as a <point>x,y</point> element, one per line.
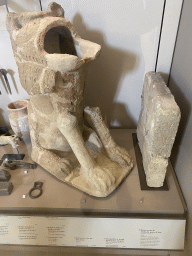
<point>13,140</point>
<point>4,175</point>
<point>157,127</point>
<point>6,188</point>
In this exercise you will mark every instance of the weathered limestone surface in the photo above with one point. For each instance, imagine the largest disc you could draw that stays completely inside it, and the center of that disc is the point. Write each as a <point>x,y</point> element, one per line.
<point>13,140</point>
<point>157,128</point>
<point>52,60</point>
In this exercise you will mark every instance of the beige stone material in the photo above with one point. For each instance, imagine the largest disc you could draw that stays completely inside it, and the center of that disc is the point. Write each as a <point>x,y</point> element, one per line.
<point>157,128</point>
<point>13,140</point>
<point>115,153</point>
<point>52,61</point>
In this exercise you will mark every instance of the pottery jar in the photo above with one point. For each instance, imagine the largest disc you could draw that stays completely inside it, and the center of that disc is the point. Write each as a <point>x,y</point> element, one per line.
<point>18,118</point>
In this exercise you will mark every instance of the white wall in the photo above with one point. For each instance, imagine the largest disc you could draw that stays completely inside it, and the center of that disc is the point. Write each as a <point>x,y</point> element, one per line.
<point>128,32</point>
<point>181,86</point>
<point>7,60</point>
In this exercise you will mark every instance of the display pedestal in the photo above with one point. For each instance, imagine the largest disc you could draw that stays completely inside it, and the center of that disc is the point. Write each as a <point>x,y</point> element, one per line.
<point>65,218</point>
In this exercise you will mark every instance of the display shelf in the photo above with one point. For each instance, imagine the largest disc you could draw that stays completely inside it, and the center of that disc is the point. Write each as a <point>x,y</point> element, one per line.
<point>129,218</point>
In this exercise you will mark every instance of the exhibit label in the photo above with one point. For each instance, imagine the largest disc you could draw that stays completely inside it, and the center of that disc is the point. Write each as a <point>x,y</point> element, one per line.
<point>166,234</point>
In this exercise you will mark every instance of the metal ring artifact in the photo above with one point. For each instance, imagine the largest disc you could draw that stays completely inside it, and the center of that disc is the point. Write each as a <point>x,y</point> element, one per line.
<point>37,186</point>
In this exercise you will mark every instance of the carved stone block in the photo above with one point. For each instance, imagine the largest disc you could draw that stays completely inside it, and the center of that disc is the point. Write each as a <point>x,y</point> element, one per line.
<point>157,128</point>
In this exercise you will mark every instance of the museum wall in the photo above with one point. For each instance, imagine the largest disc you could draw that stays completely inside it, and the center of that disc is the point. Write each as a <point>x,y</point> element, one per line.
<point>129,50</point>
<point>181,86</point>
<point>7,60</point>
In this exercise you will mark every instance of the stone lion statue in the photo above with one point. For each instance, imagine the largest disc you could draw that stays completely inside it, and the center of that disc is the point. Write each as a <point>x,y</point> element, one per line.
<point>52,60</point>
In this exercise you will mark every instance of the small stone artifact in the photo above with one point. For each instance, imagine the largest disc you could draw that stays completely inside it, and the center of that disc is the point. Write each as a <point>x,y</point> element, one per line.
<point>157,128</point>
<point>12,139</point>
<point>4,175</point>
<point>6,188</point>
<point>14,164</point>
<point>52,60</point>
